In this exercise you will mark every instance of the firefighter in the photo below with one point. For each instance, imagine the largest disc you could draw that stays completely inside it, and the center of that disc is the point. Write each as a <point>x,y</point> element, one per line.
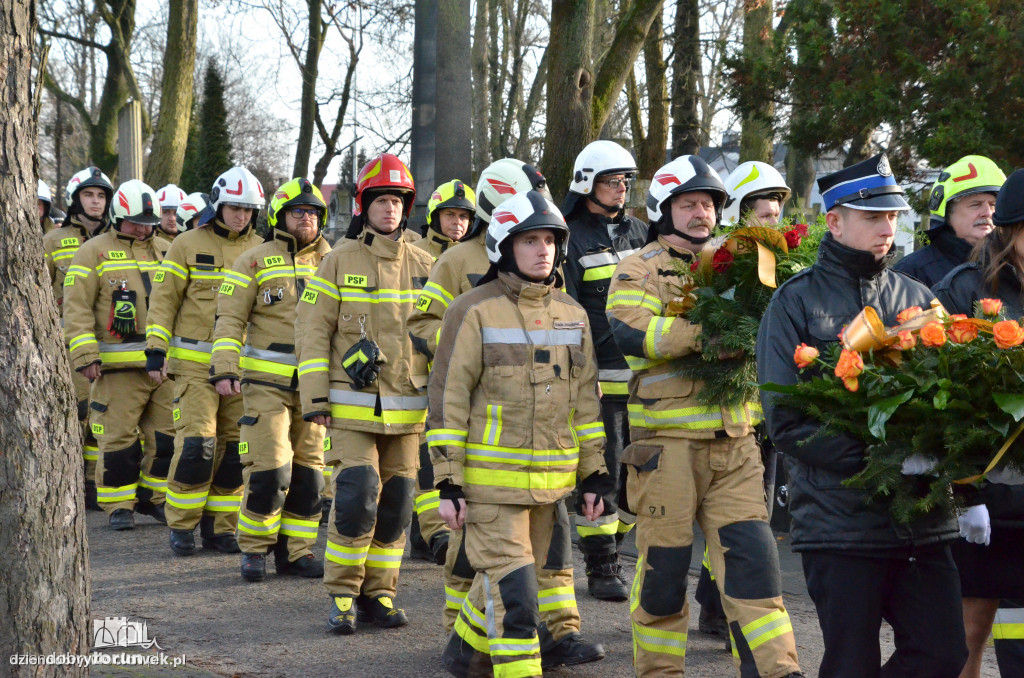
<point>686,461</point>
<point>282,454</point>
<point>756,194</point>
<point>359,376</point>
<point>171,197</point>
<point>455,272</point>
<point>44,200</point>
<point>106,291</point>
<point>449,213</point>
<point>514,415</point>
<point>601,236</point>
<point>87,197</point>
<point>204,485</point>
<point>192,210</point>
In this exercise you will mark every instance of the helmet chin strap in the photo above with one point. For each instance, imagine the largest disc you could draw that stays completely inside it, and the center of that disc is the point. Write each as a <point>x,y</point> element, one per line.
<point>670,229</point>
<point>607,208</point>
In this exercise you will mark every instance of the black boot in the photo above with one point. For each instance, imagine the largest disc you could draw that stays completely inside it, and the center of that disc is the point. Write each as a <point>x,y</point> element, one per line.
<point>307,566</point>
<point>418,548</point>
<point>183,542</point>
<point>460,659</point>
<point>225,543</point>
<point>254,566</point>
<point>381,611</point>
<point>122,519</point>
<point>90,497</point>
<point>569,651</point>
<point>342,617</point>
<point>439,545</point>
<point>148,508</point>
<point>604,578</point>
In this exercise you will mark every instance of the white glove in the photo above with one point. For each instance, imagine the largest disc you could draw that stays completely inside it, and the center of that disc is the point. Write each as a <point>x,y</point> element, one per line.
<point>918,465</point>
<point>975,525</point>
<point>1005,476</point>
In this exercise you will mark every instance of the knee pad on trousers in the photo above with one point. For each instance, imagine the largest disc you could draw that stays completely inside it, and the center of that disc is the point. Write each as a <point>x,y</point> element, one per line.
<point>230,472</point>
<point>518,591</point>
<point>196,462</point>
<point>83,409</point>
<point>355,500</point>
<point>267,490</point>
<point>304,492</point>
<point>560,549</point>
<point>394,512</point>
<point>163,454</point>
<point>664,589</point>
<point>425,474</point>
<point>121,467</point>
<point>461,566</point>
<point>751,561</point>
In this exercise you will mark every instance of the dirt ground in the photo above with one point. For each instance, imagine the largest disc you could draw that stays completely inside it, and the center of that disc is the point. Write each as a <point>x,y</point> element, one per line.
<point>201,608</point>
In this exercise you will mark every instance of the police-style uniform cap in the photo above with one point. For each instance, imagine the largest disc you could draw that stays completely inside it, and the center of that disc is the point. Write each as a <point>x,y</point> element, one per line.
<point>868,185</point>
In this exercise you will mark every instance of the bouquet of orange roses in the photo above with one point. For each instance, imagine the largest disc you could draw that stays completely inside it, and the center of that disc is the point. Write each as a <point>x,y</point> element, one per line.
<point>726,290</point>
<point>935,385</point>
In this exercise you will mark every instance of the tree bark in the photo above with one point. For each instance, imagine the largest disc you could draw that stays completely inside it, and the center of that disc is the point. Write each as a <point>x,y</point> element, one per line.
<point>481,89</point>
<point>650,152</point>
<point>310,71</point>
<point>496,61</point>
<point>44,589</point>
<point>757,133</point>
<point>167,152</point>
<point>860,146</point>
<point>686,70</point>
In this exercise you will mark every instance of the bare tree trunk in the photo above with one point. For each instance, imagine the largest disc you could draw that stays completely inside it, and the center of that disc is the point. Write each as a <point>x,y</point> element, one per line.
<point>570,90</point>
<point>481,107</point>
<point>800,176</point>
<point>310,72</point>
<point>686,70</point>
<point>860,147</point>
<point>757,133</point>
<point>650,153</point>
<point>44,590</point>
<point>168,149</point>
<point>529,111</point>
<point>496,80</point>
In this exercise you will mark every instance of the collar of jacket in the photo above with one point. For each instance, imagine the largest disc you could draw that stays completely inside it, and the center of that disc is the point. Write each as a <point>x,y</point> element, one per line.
<point>946,239</point>
<point>441,239</point>
<point>517,288</point>
<point>287,239</point>
<point>835,257</point>
<point>676,252</point>
<point>381,246</point>
<point>128,240</point>
<point>223,231</point>
<point>86,233</point>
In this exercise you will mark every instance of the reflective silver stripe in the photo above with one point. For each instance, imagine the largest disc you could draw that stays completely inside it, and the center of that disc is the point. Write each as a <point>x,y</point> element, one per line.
<point>515,335</point>
<point>122,348</point>
<point>403,402</point>
<point>653,379</point>
<point>770,626</point>
<point>652,253</point>
<point>529,647</point>
<point>383,558</point>
<point>271,356</point>
<point>545,599</point>
<point>599,259</point>
<point>614,375</point>
<point>1011,615</point>
<point>204,346</point>
<point>569,457</point>
<point>340,397</point>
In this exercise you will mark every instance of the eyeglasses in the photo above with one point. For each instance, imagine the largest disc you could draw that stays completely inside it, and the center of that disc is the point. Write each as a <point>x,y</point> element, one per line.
<point>615,183</point>
<point>298,213</point>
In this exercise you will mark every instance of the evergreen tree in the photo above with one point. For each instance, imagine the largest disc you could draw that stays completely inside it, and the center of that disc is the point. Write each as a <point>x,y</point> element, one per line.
<point>213,148</point>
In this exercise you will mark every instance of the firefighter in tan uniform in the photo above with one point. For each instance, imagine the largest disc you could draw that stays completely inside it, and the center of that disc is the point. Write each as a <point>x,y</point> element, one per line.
<point>171,197</point>
<point>204,485</point>
<point>449,212</point>
<point>359,375</point>
<point>455,272</point>
<point>44,201</point>
<point>282,454</point>
<point>514,415</point>
<point>106,291</point>
<point>687,461</point>
<point>87,196</point>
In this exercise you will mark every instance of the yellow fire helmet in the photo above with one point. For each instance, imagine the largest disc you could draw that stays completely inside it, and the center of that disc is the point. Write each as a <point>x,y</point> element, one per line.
<point>296,193</point>
<point>453,194</point>
<point>969,175</point>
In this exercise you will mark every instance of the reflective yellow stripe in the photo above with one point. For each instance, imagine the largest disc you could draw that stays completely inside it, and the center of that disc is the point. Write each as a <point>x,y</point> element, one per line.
<point>159,332</point>
<point>519,456</point>
<point>186,500</point>
<point>247,363</point>
<point>657,328</point>
<point>171,267</point>
<point>303,529</point>
<point>156,484</point>
<point>437,437</point>
<point>359,413</point>
<point>632,298</point>
<point>492,427</point>
<point>117,357</point>
<point>225,503</point>
<point>428,501</point>
<point>593,531</point>
<point>521,480</point>
<point>589,431</point>
<point>346,555</point>
<point>309,366</point>
<point>378,296</point>
<point>772,625</point>
<point>110,495</point>
<point>82,340</point>
<point>320,285</point>
<point>691,418</point>
<point>656,640</point>
<point>227,344</point>
<point>598,273</point>
<point>464,631</point>
<point>453,598</point>
<point>269,526</point>
<point>189,354</point>
<point>435,291</point>
<point>390,559</point>
<point>90,453</point>
<point>614,387</point>
<point>561,597</point>
<point>237,278</point>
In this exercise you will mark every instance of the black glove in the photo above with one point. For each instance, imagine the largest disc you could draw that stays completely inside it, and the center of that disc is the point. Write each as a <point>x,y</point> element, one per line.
<point>154,360</point>
<point>362,363</point>
<point>602,485</point>
<point>449,491</point>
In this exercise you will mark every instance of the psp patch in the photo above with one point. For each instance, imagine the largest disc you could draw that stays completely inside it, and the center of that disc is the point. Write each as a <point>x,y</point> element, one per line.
<point>355,280</point>
<point>309,296</point>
